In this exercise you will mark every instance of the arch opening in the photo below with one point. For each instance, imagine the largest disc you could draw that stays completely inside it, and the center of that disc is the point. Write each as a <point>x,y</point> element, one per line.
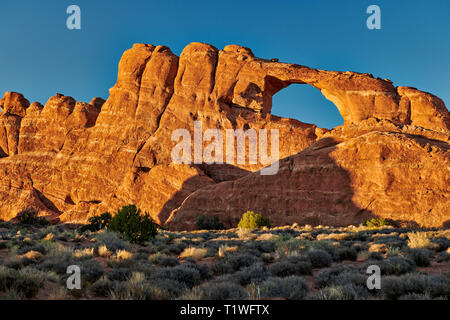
<point>306,104</point>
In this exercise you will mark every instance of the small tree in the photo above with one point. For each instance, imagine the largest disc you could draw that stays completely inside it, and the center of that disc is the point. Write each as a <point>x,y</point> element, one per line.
<point>252,220</point>
<point>30,216</point>
<point>378,222</point>
<point>129,222</point>
<point>97,223</point>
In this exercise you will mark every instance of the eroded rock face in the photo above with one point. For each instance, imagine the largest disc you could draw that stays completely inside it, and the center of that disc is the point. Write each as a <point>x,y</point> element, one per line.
<point>72,159</point>
<point>384,173</point>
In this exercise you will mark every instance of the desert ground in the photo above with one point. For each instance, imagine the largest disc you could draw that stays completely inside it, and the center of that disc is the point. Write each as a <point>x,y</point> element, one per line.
<point>290,262</point>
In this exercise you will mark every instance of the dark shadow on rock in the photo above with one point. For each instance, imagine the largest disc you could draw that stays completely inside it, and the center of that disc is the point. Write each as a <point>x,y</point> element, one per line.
<point>47,202</point>
<point>309,188</point>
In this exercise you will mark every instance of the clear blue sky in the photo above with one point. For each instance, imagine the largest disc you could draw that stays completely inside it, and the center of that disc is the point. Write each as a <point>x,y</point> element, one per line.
<point>39,56</point>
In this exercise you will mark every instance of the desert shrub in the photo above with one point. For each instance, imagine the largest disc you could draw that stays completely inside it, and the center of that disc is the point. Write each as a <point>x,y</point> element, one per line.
<point>439,285</point>
<point>347,253</point>
<point>221,267</point>
<point>422,257</point>
<point>266,257</point>
<point>286,268</point>
<point>164,260</point>
<point>165,289</point>
<point>256,247</point>
<point>11,294</point>
<point>203,269</point>
<point>175,248</point>
<point>292,288</point>
<point>443,257</point>
<point>18,263</point>
<point>122,263</point>
<point>415,296</point>
<point>168,262</point>
<point>57,260</point>
<point>393,251</point>
<point>251,247</point>
<point>30,216</point>
<point>287,244</point>
<point>378,222</point>
<point>38,247</point>
<point>111,240</point>
<point>441,243</point>
<point>120,274</point>
<point>97,223</point>
<point>392,287</point>
<point>144,267</point>
<point>186,275</point>
<point>419,240</point>
<point>209,223</point>
<point>91,271</point>
<point>7,277</point>
<point>325,245</point>
<point>102,287</point>
<point>217,291</point>
<point>254,273</point>
<point>251,220</point>
<point>193,252</point>
<point>129,222</point>
<point>282,269</point>
<point>28,281</point>
<point>348,291</point>
<point>240,260</point>
<point>319,258</point>
<point>396,266</point>
<point>337,275</point>
<point>135,288</point>
<point>375,256</point>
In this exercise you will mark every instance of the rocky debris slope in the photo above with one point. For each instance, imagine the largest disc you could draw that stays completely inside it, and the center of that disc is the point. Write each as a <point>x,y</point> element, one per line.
<point>71,160</point>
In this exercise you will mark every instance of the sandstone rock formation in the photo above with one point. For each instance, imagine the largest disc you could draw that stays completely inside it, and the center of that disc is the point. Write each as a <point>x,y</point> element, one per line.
<point>71,160</point>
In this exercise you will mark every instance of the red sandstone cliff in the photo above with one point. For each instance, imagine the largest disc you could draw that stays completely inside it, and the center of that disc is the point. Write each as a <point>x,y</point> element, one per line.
<point>71,159</point>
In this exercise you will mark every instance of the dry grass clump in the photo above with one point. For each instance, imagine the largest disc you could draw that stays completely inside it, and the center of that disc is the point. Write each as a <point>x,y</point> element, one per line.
<point>266,236</point>
<point>85,253</point>
<point>336,236</point>
<point>123,255</point>
<point>32,255</point>
<point>193,252</point>
<point>49,237</point>
<point>223,250</point>
<point>378,247</point>
<point>58,294</point>
<point>420,240</point>
<point>104,252</point>
<point>246,234</point>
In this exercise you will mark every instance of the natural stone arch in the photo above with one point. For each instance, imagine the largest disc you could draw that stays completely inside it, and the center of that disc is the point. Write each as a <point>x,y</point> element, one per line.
<point>307,104</point>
